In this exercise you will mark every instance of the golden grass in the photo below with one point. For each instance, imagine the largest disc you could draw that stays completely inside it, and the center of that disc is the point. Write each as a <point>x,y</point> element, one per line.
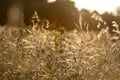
<point>30,54</point>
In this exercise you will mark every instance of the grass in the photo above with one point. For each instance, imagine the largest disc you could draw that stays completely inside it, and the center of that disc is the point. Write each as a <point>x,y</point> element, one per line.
<point>40,54</point>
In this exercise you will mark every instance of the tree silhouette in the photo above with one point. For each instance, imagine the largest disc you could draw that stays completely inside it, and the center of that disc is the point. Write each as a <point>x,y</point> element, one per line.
<point>65,11</point>
<point>60,12</point>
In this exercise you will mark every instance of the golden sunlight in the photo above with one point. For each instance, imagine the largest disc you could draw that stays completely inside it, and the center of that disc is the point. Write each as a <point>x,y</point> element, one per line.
<point>99,5</point>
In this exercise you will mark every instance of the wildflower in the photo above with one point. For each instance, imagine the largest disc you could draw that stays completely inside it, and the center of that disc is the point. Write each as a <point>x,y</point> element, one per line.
<point>47,24</point>
<point>35,19</point>
<point>47,52</point>
<point>116,26</point>
<point>35,16</point>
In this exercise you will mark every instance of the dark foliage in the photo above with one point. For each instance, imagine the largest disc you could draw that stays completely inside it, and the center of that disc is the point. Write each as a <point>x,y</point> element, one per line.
<point>95,19</point>
<point>62,10</point>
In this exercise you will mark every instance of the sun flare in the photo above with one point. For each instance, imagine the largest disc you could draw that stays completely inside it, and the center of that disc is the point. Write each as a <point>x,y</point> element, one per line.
<point>99,5</point>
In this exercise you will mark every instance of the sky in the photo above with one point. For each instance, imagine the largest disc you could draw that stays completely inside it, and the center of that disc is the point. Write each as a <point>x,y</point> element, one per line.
<point>100,5</point>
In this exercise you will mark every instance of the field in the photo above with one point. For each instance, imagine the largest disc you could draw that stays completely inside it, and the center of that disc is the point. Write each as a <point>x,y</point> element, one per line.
<point>41,54</point>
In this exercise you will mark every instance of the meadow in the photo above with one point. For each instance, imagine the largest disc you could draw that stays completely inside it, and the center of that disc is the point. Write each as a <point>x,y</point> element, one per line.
<point>36,53</point>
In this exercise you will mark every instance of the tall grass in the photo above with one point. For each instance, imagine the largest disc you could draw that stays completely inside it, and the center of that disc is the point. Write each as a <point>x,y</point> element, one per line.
<point>41,54</point>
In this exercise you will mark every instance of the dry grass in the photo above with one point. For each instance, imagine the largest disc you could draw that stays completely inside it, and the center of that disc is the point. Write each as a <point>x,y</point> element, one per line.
<point>30,54</point>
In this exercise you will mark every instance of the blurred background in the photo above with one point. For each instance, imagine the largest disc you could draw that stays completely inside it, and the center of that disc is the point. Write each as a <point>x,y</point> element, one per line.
<point>68,13</point>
